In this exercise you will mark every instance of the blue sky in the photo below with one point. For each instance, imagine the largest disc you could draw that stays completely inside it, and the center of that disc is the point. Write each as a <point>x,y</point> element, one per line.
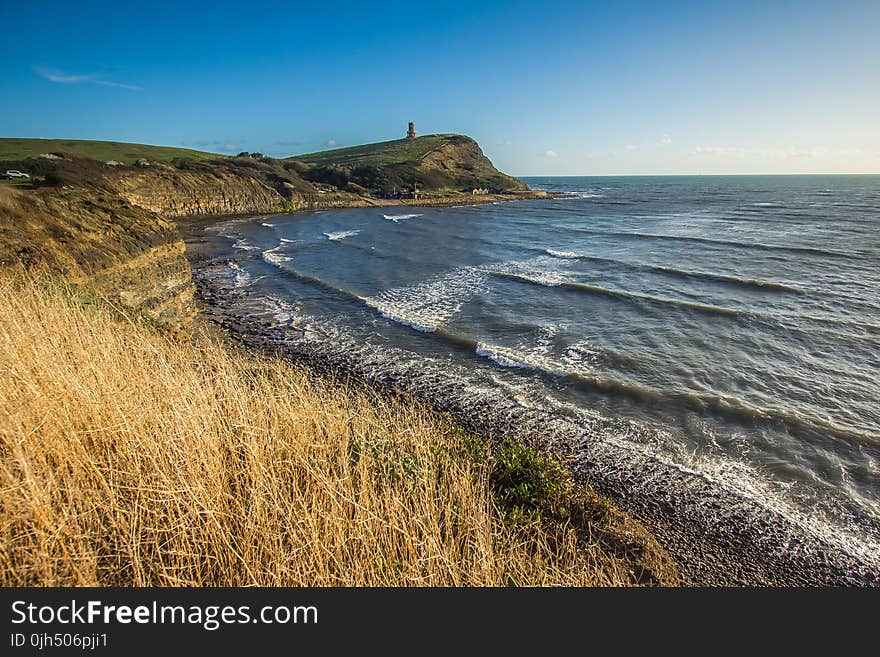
<point>546,88</point>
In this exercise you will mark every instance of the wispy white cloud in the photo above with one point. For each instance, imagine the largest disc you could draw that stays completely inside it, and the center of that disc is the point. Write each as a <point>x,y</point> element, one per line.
<point>550,153</point>
<point>630,147</point>
<point>726,151</point>
<point>505,142</point>
<point>330,142</point>
<point>217,145</point>
<point>665,140</point>
<point>54,75</point>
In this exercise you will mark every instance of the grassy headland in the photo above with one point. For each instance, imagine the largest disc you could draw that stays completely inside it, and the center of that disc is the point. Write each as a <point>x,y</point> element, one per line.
<point>385,153</point>
<point>129,458</point>
<point>434,163</point>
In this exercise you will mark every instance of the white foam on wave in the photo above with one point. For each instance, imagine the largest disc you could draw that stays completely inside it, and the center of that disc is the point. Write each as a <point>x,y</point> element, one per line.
<point>581,194</point>
<point>397,217</point>
<point>536,270</point>
<point>427,305</point>
<point>273,257</point>
<point>242,244</point>
<point>288,241</point>
<point>280,310</point>
<point>240,278</point>
<point>501,356</point>
<point>387,313</point>
<point>569,255</point>
<point>267,224</point>
<point>534,352</point>
<point>765,205</point>
<point>532,357</point>
<point>340,234</point>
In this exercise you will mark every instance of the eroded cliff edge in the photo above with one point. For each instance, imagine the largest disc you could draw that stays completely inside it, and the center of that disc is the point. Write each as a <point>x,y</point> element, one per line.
<point>132,256</point>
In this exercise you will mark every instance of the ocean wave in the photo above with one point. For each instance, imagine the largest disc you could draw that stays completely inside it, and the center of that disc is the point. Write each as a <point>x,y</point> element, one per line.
<point>755,283</point>
<point>534,269</point>
<point>732,243</point>
<point>280,310</point>
<point>242,244</point>
<point>388,312</point>
<point>427,305</point>
<point>397,217</point>
<point>581,194</point>
<point>267,224</point>
<point>273,257</point>
<point>527,279</point>
<point>621,294</point>
<point>568,255</point>
<point>502,357</point>
<point>729,406</point>
<point>537,357</point>
<point>341,234</point>
<point>240,277</point>
<point>423,307</point>
<point>288,241</point>
<point>732,280</point>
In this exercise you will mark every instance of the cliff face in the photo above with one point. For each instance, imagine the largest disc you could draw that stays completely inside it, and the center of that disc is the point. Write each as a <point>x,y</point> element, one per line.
<point>131,255</point>
<point>176,193</point>
<point>221,189</point>
<point>463,161</point>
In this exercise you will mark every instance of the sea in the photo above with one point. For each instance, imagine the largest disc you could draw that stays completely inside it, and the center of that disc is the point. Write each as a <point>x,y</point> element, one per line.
<point>732,323</point>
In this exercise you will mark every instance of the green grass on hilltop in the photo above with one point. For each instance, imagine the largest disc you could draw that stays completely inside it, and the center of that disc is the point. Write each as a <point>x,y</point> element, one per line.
<point>19,149</point>
<point>398,151</point>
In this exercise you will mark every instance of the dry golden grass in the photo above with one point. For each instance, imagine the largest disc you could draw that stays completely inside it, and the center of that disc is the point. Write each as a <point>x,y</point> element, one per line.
<point>127,458</point>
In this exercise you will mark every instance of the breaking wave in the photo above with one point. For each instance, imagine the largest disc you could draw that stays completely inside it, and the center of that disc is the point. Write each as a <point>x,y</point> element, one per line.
<point>427,305</point>
<point>397,217</point>
<point>341,234</point>
<point>827,253</point>
<point>684,273</point>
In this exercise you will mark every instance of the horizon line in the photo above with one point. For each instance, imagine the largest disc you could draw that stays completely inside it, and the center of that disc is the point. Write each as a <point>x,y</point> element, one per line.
<point>674,175</point>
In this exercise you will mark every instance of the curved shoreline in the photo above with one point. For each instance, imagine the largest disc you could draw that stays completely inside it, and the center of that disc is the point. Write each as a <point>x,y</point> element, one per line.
<point>716,536</point>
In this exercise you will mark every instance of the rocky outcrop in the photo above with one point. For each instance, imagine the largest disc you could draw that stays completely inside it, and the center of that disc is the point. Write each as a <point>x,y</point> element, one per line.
<point>463,161</point>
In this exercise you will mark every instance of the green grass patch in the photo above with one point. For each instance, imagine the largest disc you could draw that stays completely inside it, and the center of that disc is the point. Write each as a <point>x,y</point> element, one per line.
<point>529,484</point>
<point>398,151</point>
<point>19,149</point>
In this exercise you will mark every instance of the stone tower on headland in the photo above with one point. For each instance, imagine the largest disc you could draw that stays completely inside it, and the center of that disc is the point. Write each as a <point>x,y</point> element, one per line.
<point>411,133</point>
